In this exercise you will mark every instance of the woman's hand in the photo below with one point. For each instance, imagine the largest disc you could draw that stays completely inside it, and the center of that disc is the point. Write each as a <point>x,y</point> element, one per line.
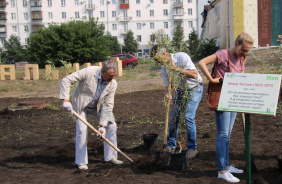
<point>216,80</point>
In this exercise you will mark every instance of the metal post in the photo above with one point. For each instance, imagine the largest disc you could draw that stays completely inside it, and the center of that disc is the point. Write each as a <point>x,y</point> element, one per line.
<point>248,149</point>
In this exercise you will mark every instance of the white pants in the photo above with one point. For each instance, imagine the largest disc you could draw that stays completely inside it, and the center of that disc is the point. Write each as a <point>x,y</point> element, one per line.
<point>81,155</point>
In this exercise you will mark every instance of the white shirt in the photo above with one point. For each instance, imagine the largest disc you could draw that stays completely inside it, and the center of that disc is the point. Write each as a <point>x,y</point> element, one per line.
<point>183,61</point>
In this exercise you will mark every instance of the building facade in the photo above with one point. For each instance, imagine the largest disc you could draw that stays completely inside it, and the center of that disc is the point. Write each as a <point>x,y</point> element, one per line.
<point>262,19</point>
<point>24,17</point>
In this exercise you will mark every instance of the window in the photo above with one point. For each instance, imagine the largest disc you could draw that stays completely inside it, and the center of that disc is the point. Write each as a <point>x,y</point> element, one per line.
<point>165,2</point>
<point>152,25</point>
<point>137,1</point>
<point>50,15</point>
<point>178,24</point>
<point>166,25</point>
<point>2,29</point>
<point>152,38</point>
<point>24,3</point>
<point>166,36</point>
<point>139,38</point>
<point>139,26</point>
<point>26,40</point>
<point>138,13</point>
<point>49,3</point>
<point>12,3</point>
<point>2,40</point>
<point>102,14</point>
<point>114,14</point>
<point>13,15</point>
<point>165,12</point>
<point>76,2</point>
<point>151,13</point>
<point>77,15</point>
<point>14,28</point>
<point>190,23</point>
<point>189,1</point>
<point>189,11</point>
<point>125,28</point>
<point>64,15</point>
<point>178,11</point>
<point>101,2</point>
<point>90,14</point>
<point>63,3</point>
<point>114,27</point>
<point>25,16</point>
<point>37,15</point>
<point>151,1</point>
<point>26,28</point>
<point>114,2</point>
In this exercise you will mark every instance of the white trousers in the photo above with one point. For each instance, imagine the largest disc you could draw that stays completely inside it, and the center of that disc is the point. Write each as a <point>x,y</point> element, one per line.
<point>81,154</point>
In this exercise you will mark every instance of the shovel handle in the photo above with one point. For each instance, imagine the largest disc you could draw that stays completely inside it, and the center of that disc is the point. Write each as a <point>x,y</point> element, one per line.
<point>104,138</point>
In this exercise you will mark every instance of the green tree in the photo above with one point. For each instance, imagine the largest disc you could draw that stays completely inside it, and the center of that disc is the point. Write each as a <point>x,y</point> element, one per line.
<point>130,44</point>
<point>192,42</point>
<point>207,48</point>
<point>75,41</point>
<point>178,39</point>
<point>114,45</point>
<point>13,50</point>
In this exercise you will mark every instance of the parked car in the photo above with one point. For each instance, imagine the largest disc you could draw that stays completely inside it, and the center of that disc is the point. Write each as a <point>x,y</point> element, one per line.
<point>127,60</point>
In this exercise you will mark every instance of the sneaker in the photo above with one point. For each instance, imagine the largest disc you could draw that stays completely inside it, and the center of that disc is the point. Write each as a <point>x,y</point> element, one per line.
<point>192,153</point>
<point>228,177</point>
<point>233,169</point>
<point>82,167</point>
<point>116,161</point>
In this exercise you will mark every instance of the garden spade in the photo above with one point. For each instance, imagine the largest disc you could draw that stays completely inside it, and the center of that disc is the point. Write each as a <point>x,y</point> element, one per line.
<point>253,166</point>
<point>104,138</point>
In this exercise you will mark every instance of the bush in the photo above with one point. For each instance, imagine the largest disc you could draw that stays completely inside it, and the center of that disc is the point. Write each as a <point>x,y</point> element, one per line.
<point>208,47</point>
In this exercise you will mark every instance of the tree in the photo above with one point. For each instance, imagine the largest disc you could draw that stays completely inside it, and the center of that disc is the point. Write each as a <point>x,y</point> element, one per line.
<point>75,41</point>
<point>130,44</point>
<point>13,50</point>
<point>192,43</point>
<point>161,40</point>
<point>178,38</point>
<point>113,45</point>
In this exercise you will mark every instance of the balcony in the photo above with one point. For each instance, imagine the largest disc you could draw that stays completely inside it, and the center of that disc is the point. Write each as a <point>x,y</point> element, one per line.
<point>178,4</point>
<point>35,28</point>
<point>2,4</point>
<point>3,18</point>
<point>124,4</point>
<point>90,7</point>
<point>3,34</point>
<point>178,17</point>
<point>124,19</point>
<point>35,8</point>
<point>122,31</point>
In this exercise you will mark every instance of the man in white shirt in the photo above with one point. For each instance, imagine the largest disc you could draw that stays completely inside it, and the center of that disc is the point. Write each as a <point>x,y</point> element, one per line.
<point>189,89</point>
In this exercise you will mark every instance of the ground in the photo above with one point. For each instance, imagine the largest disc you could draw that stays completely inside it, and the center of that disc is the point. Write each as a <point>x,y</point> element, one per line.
<point>37,145</point>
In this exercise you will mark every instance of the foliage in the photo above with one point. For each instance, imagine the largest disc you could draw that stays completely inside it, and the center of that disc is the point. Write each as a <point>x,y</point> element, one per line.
<point>75,41</point>
<point>208,47</point>
<point>192,43</point>
<point>13,50</point>
<point>113,44</point>
<point>178,37</point>
<point>130,44</point>
<point>161,40</point>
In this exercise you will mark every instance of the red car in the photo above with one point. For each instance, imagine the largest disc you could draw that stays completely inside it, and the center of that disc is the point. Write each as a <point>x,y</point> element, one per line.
<point>127,60</point>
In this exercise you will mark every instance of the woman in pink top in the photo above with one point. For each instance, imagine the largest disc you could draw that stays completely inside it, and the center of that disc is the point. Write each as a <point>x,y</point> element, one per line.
<point>225,120</point>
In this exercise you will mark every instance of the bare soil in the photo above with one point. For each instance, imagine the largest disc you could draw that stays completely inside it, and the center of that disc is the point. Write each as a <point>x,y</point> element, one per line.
<point>37,144</point>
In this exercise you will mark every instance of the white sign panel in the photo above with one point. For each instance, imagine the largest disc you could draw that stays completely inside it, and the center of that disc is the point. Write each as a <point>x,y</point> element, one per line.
<point>250,93</point>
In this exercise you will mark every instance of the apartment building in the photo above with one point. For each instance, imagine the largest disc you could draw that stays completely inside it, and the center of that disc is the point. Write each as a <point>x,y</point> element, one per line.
<point>143,17</point>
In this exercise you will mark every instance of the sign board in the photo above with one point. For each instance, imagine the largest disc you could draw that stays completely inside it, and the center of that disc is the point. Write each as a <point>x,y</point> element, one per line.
<point>250,93</point>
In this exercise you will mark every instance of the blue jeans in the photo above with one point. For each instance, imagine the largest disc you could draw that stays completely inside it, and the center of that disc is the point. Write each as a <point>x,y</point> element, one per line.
<point>191,105</point>
<point>224,124</point>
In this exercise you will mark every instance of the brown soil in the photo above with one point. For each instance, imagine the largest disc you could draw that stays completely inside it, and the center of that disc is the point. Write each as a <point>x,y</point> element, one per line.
<point>37,145</point>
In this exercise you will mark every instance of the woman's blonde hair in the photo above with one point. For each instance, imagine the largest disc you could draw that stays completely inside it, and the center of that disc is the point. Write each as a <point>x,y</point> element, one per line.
<point>244,37</point>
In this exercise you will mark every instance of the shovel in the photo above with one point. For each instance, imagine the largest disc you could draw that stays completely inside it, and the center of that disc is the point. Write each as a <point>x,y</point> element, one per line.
<point>253,166</point>
<point>104,138</point>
